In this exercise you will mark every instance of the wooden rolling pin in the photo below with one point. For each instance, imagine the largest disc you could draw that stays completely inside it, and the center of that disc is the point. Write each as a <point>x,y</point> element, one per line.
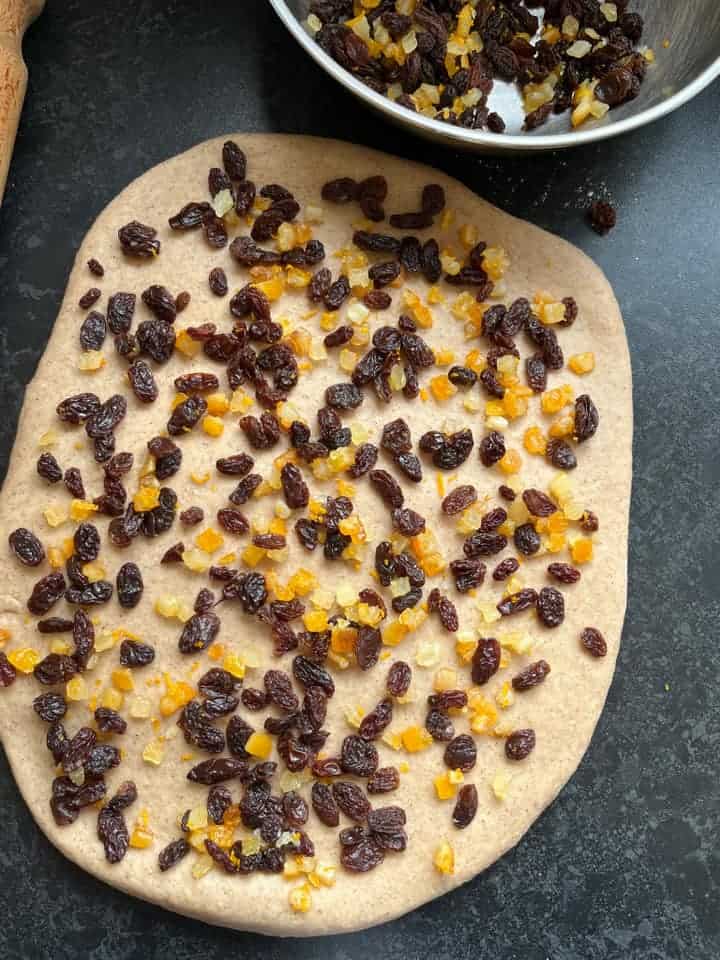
<point>15,17</point>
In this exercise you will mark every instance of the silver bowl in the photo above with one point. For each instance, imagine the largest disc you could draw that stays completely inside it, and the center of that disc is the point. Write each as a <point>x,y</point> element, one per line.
<point>680,71</point>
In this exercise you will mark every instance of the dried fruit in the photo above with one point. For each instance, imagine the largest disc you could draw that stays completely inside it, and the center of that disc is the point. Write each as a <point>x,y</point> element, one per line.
<point>138,240</point>
<point>461,753</point>
<point>492,448</point>
<point>587,418</point>
<point>295,490</point>
<point>351,800</point>
<point>465,806</point>
<point>468,574</point>
<point>173,853</point>
<point>550,607</point>
<point>594,642</point>
<point>358,756</point>
<point>26,547</point>
<point>46,592</point>
<point>324,804</point>
<point>527,540</point>
<point>520,744</point>
<point>531,676</point>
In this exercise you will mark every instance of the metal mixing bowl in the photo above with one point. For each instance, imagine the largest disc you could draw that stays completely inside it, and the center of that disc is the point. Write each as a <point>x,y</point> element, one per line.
<point>680,72</point>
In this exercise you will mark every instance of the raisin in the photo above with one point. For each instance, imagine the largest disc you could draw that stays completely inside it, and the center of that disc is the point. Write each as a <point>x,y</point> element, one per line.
<point>337,293</point>
<point>129,585</point>
<point>253,699</point>
<point>563,572</point>
<point>238,734</point>
<point>93,331</point>
<point>365,459</point>
<point>594,642</point>
<point>233,521</point>
<point>157,339</point>
<point>57,741</point>
<point>173,853</point>
<point>418,353</point>
<point>198,632</point>
<point>408,522</point>
<point>493,519</point>
<point>295,490</point>
<point>262,433</point>
<point>216,770</point>
<point>398,679</point>
<point>74,483</point>
<point>361,857</point>
<point>551,607</point>
<point>109,721</point>
<point>54,625</point>
<point>186,415</point>
<point>26,547</point>
<point>95,267</point>
<point>78,750</point>
<point>461,753</point>
<point>196,382</point>
<point>388,488</point>
<point>412,220</point>
<point>103,447</point>
<point>340,190</point>
<point>133,653</point>
<point>311,674</point>
<point>481,544</point>
<point>327,767</point>
<point>138,240</point>
<point>538,503</point>
<point>94,593</point>
<point>384,780</point>
<point>236,465</point>
<point>50,707</point>
<point>78,408</point>
<point>324,805</point>
<point>358,756</point>
<point>192,516</point>
<point>160,302</point>
<point>113,832</point>
<point>190,216</point>
<point>527,540</point>
<point>445,609</point>
<point>375,722</point>
<point>245,489</point>
<point>465,806</point>
<point>373,190</point>
<point>48,468</point>
<point>46,592</point>
<point>430,261</point>
<point>560,454</point>
<point>376,242</point>
<point>384,273</point>
<point>462,376</point>
<point>602,216</point>
<point>173,554</point>
<point>234,160</point>
<point>467,573</point>
<point>517,602</point>
<point>279,690</point>
<point>339,336</point>
<point>198,731</point>
<point>343,396</point>
<point>520,744</point>
<point>439,726</point>
<point>506,568</point>
<point>295,809</point>
<point>586,418</point>
<point>351,800</point>
<point>486,660</point>
<point>531,676</point>
<point>102,758</point>
<point>448,700</point>
<point>489,380</point>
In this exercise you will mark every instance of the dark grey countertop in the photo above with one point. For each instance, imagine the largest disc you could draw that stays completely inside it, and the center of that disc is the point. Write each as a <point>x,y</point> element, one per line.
<point>625,863</point>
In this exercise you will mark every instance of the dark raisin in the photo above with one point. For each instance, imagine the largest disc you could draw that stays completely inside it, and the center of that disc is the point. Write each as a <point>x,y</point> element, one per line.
<point>55,668</point>
<point>129,585</point>
<point>538,503</point>
<point>384,273</point>
<point>343,396</point>
<point>295,490</point>
<point>324,805</point>
<point>190,216</point>
<point>361,857</point>
<point>430,261</point>
<point>520,744</point>
<point>602,216</point>
<point>493,519</point>
<point>27,548</point>
<point>536,373</point>
<point>461,753</point>
<point>527,540</point>
<point>238,734</point>
<point>46,592</point>
<point>388,488</point>
<point>587,418</point>
<point>93,331</point>
<point>358,756</point>
<point>448,700</point>
<point>506,568</point>
<point>467,573</point>
<point>408,522</point>
<point>311,674</point>
<point>351,800</point>
<point>78,408</point>
<point>48,468</point>
<point>594,642</point>
<point>563,572</point>
<point>160,302</point>
<point>465,806</point>
<point>186,415</point>
<point>531,676</point>
<point>50,707</point>
<point>54,625</point>
<point>279,690</point>
<point>384,780</point>
<point>245,489</point>
<point>138,240</point>
<point>439,726</point>
<point>157,339</point>
<point>173,853</point>
<point>459,499</point>
<point>327,767</point>
<point>445,609</point>
<point>95,267</point>
<point>133,653</point>
<point>192,516</point>
<point>489,380</point>
<point>551,607</point>
<point>365,459</point>
<point>462,376</point>
<point>236,465</point>
<point>109,721</point>
<point>340,190</point>
<point>198,632</point>
<point>481,544</point>
<point>376,242</point>
<point>517,602</point>
<point>339,336</point>
<point>486,660</point>
<point>196,382</point>
<point>78,750</point>
<point>373,190</point>
<point>375,722</point>
<point>560,454</point>
<point>216,770</point>
<point>106,417</point>
<point>234,160</point>
<point>94,593</point>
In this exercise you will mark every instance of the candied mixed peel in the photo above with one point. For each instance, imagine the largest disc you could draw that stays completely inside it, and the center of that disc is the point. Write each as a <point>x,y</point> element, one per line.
<point>281,504</point>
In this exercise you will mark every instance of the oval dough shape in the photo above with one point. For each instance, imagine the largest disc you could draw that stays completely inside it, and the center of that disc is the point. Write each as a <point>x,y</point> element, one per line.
<point>563,711</point>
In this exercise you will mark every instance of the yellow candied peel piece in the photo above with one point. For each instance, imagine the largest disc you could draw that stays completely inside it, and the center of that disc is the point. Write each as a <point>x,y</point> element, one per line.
<point>444,858</point>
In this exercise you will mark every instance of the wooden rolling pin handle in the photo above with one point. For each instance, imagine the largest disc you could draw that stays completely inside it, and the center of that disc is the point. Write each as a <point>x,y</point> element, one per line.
<point>15,17</point>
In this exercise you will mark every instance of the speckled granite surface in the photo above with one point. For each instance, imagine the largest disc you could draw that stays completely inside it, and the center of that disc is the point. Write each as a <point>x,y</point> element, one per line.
<point>624,866</point>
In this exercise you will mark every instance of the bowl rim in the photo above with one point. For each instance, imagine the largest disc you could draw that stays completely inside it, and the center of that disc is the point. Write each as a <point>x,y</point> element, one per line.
<point>482,138</point>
